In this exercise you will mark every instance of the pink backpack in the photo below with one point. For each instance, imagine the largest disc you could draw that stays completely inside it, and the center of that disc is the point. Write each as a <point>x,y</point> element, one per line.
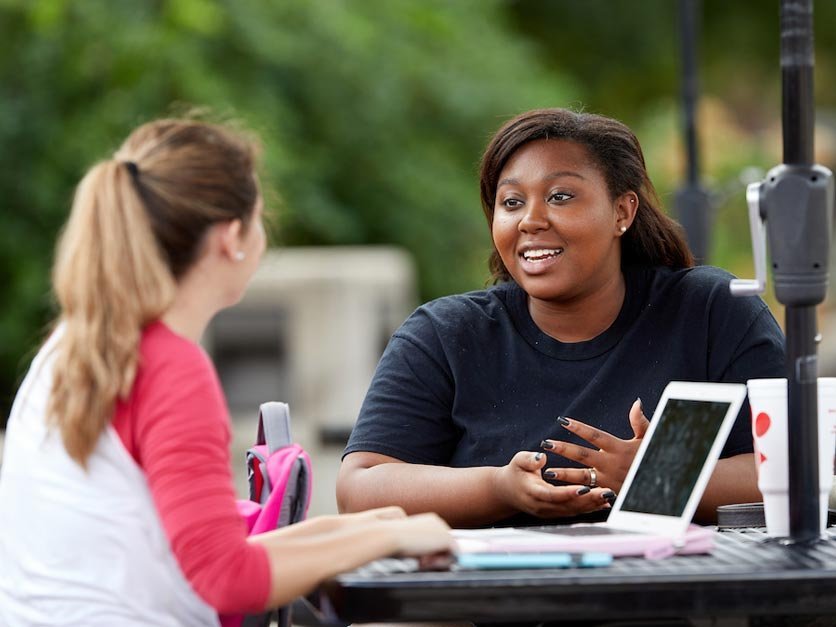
<point>279,474</point>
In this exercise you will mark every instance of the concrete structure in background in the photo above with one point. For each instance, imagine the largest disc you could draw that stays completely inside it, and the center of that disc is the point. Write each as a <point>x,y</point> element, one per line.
<point>309,331</point>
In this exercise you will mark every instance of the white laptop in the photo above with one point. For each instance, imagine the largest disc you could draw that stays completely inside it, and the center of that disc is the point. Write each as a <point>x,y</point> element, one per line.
<point>663,486</point>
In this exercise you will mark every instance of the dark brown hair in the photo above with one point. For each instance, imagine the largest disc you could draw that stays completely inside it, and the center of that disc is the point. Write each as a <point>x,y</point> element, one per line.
<point>653,239</point>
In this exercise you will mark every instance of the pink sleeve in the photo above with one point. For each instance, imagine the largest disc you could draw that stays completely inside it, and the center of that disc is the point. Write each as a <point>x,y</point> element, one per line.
<point>179,435</point>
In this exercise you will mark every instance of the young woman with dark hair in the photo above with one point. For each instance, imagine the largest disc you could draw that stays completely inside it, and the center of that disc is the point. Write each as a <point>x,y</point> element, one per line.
<point>597,305</point>
<point>653,239</point>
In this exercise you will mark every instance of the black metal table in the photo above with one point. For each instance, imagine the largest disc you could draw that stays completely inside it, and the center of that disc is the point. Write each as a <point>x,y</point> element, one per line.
<point>747,576</point>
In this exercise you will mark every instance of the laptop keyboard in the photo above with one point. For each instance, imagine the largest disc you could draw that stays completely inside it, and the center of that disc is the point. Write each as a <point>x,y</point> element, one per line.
<point>581,530</point>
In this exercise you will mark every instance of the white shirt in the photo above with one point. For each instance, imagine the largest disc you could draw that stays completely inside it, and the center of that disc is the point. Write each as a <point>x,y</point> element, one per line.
<point>81,547</point>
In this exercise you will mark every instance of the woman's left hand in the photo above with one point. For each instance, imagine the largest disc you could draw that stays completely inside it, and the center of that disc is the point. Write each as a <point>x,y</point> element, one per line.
<point>611,458</point>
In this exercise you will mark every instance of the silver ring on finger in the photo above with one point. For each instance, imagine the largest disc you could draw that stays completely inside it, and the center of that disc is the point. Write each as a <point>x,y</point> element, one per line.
<point>593,478</point>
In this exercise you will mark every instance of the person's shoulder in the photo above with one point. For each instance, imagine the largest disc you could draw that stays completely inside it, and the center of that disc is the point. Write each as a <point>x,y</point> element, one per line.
<point>160,348</point>
<point>467,307</point>
<point>714,284</point>
<point>698,281</point>
<point>707,276</point>
<point>478,300</point>
<point>465,312</point>
<point>695,276</point>
<point>703,289</point>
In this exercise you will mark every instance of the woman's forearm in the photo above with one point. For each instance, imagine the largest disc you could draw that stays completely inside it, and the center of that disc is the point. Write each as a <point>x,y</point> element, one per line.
<point>336,522</point>
<point>300,562</point>
<point>464,497</point>
<point>312,526</point>
<point>734,480</point>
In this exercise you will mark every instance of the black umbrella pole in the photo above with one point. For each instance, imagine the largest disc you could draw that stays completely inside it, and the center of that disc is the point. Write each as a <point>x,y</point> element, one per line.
<point>692,202</point>
<point>798,119</point>
<point>797,59</point>
<point>688,16</point>
<point>802,424</point>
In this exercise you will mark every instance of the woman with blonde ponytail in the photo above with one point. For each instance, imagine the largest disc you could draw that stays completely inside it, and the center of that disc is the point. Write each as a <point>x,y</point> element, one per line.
<point>116,497</point>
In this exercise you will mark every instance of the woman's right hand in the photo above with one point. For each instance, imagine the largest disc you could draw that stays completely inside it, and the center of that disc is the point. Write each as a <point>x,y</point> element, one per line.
<point>421,534</point>
<point>520,485</point>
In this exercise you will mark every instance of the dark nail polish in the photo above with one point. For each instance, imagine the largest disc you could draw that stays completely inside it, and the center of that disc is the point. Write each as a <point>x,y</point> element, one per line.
<point>583,490</point>
<point>562,420</point>
<point>538,457</point>
<point>609,495</point>
<point>549,475</point>
<point>546,445</point>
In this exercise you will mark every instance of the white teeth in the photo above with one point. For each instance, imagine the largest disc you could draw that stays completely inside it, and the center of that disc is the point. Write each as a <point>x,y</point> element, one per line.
<point>538,254</point>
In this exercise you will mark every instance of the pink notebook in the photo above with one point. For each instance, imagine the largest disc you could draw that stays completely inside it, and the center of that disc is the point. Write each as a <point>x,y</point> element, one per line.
<point>584,538</point>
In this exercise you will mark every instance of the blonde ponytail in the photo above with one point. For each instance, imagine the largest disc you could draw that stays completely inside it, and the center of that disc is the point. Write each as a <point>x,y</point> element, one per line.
<point>110,281</point>
<point>135,229</point>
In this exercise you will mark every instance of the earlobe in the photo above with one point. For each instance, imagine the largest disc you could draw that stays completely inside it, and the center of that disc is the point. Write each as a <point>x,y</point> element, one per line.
<point>626,208</point>
<point>230,239</point>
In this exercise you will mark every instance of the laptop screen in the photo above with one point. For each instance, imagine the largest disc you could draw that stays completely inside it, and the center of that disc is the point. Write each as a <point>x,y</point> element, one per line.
<point>675,457</point>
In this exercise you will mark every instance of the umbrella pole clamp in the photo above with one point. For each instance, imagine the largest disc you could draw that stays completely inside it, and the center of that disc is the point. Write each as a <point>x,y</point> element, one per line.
<point>792,209</point>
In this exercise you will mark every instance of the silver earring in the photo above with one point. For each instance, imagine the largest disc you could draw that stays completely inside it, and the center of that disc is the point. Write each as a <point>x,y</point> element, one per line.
<point>240,255</point>
<point>623,229</point>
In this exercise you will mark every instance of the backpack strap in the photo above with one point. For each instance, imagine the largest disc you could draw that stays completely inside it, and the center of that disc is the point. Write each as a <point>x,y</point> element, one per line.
<point>274,425</point>
<point>290,494</point>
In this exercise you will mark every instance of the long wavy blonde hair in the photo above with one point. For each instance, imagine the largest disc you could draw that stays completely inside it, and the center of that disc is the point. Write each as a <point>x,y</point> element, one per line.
<point>136,226</point>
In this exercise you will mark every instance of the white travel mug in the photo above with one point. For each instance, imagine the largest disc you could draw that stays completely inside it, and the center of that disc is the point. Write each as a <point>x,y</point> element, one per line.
<point>768,400</point>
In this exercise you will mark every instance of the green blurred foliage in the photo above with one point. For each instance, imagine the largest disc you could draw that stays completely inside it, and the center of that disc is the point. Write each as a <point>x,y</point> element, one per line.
<point>373,113</point>
<point>627,53</point>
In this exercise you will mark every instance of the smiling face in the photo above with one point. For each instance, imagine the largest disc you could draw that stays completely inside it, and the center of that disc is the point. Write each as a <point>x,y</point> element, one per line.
<point>555,226</point>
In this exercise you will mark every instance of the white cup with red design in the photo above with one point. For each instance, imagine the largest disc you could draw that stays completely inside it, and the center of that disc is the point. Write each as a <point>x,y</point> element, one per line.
<point>768,400</point>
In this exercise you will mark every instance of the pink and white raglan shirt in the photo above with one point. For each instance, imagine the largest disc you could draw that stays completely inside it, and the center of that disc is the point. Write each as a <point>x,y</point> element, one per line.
<point>149,533</point>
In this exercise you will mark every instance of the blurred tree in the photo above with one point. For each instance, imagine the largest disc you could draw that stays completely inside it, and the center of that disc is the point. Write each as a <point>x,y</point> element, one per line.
<point>373,115</point>
<point>625,51</point>
<point>628,52</point>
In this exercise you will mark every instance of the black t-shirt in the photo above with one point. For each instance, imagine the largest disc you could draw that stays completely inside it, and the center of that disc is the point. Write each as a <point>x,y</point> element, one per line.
<point>470,380</point>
